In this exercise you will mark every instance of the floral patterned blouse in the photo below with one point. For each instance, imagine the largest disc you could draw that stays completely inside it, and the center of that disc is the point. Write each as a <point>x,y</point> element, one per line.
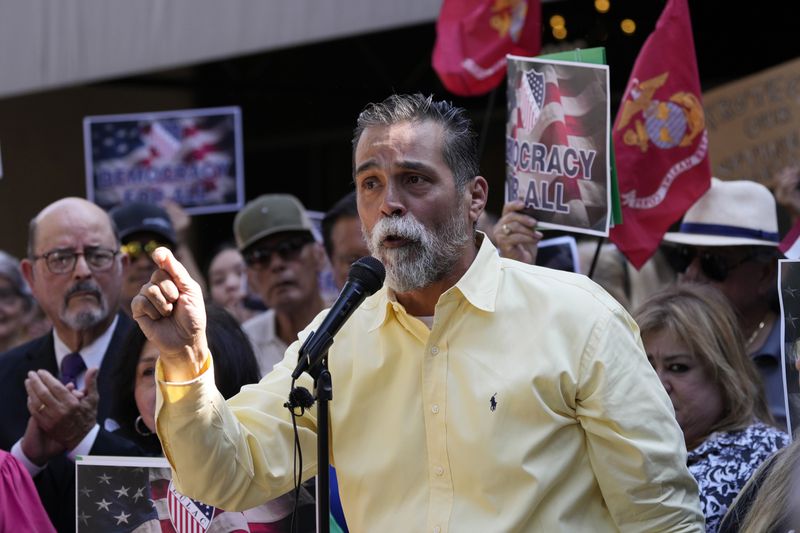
<point>724,462</point>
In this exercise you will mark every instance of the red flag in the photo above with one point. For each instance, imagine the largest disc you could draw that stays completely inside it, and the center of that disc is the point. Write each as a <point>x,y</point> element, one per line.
<point>474,36</point>
<point>660,139</point>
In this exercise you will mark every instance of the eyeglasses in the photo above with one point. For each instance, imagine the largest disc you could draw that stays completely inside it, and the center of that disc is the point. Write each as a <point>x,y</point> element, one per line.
<point>136,249</point>
<point>63,261</point>
<point>715,266</point>
<point>288,249</point>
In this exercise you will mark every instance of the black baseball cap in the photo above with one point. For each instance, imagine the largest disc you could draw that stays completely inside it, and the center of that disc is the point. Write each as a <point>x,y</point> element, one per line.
<point>139,217</point>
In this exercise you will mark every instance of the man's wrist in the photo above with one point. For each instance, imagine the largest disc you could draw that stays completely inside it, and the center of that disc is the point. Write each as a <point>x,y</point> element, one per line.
<point>84,446</point>
<point>186,365</point>
<point>29,463</point>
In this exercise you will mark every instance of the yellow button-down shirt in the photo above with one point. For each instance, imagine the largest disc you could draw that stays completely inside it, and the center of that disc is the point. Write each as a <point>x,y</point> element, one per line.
<point>528,406</point>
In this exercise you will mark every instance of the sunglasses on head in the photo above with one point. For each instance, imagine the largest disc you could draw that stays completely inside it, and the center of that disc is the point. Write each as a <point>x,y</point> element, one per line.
<point>287,249</point>
<point>136,249</point>
<point>715,266</point>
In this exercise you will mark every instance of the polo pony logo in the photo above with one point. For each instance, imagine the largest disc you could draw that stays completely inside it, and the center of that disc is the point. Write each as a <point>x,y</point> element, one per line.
<point>493,402</point>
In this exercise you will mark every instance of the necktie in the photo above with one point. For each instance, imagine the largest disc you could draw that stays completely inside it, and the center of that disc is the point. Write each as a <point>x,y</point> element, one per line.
<point>71,367</point>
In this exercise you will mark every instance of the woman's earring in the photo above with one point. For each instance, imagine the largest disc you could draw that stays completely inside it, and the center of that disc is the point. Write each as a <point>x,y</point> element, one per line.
<point>141,428</point>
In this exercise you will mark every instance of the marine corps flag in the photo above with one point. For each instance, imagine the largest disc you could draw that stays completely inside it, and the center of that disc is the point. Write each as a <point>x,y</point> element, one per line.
<point>474,36</point>
<point>660,138</point>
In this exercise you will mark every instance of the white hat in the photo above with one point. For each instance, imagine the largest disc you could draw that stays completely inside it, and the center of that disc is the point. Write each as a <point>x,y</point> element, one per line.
<point>730,213</point>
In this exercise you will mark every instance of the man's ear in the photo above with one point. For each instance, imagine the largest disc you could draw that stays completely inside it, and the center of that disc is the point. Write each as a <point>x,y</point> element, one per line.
<point>478,191</point>
<point>26,266</point>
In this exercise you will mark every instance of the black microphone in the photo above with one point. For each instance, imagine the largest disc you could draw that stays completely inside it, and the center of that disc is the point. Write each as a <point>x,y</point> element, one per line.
<point>365,277</point>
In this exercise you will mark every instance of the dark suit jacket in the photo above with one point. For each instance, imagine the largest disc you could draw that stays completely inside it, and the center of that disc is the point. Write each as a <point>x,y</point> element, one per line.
<point>56,483</point>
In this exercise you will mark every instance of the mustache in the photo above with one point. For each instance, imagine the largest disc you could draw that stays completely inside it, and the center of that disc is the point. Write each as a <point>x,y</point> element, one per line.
<point>86,287</point>
<point>406,227</point>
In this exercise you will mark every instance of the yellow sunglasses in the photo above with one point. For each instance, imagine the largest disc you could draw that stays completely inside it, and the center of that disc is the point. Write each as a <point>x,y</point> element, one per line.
<point>135,249</point>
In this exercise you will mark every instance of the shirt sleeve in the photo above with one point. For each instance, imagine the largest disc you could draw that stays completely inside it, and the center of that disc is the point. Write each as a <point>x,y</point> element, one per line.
<point>84,447</point>
<point>32,468</point>
<point>235,454</point>
<point>20,504</point>
<point>635,445</point>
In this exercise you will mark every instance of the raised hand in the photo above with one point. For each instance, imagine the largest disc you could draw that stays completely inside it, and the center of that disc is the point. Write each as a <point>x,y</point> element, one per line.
<point>516,234</point>
<point>171,312</point>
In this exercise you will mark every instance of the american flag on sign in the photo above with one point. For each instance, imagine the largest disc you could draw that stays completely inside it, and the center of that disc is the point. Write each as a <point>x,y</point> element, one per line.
<point>188,515</point>
<point>570,103</point>
<point>161,142</point>
<point>192,157</point>
<point>113,498</point>
<point>133,498</point>
<point>531,99</point>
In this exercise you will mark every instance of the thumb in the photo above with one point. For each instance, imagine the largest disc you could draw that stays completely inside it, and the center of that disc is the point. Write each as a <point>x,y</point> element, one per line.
<point>180,276</point>
<point>90,382</point>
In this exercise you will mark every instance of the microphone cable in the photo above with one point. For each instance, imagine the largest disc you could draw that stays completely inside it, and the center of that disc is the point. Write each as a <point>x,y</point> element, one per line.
<point>299,399</point>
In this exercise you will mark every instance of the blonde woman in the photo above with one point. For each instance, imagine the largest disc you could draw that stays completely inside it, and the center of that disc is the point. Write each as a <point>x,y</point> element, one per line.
<point>692,339</point>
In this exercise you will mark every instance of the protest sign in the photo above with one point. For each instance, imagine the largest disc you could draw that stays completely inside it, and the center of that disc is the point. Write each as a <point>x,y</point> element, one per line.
<point>753,124</point>
<point>557,143</point>
<point>560,253</point>
<point>193,157</point>
<point>789,285</point>
<point>116,494</point>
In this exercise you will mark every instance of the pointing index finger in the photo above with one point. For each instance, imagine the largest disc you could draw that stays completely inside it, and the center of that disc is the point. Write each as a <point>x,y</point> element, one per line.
<point>166,261</point>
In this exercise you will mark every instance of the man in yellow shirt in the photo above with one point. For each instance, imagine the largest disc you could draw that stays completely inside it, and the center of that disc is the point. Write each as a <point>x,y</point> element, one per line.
<point>472,393</point>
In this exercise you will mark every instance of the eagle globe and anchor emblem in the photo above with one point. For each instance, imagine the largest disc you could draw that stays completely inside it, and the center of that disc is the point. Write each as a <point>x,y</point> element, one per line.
<point>667,124</point>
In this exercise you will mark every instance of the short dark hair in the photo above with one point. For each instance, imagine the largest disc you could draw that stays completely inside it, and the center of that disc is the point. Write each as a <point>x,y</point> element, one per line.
<point>459,147</point>
<point>346,207</point>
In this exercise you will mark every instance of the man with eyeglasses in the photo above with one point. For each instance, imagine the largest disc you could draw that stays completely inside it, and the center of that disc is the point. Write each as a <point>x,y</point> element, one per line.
<point>55,390</point>
<point>273,233</point>
<point>729,238</point>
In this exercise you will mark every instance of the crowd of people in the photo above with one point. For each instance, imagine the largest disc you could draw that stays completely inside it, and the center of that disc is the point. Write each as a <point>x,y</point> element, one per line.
<point>476,391</point>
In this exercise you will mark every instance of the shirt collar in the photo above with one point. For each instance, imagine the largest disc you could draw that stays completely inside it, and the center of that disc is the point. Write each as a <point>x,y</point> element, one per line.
<point>92,353</point>
<point>478,285</point>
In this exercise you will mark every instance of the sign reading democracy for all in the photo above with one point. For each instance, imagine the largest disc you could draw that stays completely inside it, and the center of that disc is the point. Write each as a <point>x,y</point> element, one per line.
<point>557,143</point>
<point>193,157</point>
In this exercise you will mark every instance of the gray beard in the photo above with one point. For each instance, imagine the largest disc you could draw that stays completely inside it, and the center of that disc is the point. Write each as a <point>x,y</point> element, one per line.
<point>427,257</point>
<point>86,318</point>
<point>83,320</point>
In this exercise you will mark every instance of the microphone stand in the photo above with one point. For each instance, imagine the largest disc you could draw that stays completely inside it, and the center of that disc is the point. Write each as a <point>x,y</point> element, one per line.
<point>323,393</point>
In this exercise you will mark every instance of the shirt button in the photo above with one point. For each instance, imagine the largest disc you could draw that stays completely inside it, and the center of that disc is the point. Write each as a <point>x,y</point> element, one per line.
<point>434,350</point>
<point>437,529</point>
<point>439,470</point>
<point>435,408</point>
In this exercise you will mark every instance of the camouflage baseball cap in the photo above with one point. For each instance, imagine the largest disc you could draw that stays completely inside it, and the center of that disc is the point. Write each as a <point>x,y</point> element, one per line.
<point>267,215</point>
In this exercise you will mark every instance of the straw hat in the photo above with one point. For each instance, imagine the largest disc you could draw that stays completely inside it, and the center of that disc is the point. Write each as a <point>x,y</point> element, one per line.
<point>730,213</point>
